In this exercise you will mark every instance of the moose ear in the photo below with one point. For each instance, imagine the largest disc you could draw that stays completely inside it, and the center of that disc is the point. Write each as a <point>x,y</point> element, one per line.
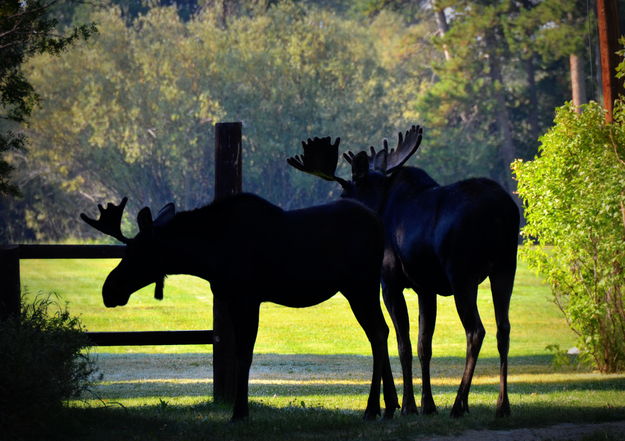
<point>360,166</point>
<point>165,215</point>
<point>144,219</point>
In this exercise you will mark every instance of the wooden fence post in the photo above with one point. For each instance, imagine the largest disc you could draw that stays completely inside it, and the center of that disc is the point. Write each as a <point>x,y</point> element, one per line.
<point>9,281</point>
<point>228,181</point>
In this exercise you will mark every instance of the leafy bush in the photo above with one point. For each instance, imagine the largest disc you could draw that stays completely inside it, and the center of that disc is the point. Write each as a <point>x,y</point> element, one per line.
<point>42,365</point>
<point>574,194</point>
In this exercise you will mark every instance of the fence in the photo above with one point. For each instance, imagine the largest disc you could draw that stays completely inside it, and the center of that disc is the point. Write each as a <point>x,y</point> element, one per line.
<point>10,295</point>
<point>228,178</point>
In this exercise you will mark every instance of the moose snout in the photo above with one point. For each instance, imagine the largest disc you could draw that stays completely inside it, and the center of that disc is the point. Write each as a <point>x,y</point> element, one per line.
<point>113,293</point>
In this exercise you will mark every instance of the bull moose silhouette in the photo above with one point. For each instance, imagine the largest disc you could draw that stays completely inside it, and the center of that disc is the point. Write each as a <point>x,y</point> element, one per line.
<point>252,252</point>
<point>438,240</point>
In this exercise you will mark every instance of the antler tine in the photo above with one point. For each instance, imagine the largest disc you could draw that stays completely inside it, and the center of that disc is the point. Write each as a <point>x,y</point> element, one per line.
<point>406,146</point>
<point>320,158</point>
<point>110,220</point>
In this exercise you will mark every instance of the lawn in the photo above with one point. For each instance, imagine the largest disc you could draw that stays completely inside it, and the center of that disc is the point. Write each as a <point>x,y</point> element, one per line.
<point>328,328</point>
<point>311,373</point>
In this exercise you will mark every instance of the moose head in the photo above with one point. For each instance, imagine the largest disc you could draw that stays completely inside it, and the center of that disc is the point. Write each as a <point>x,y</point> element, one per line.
<point>140,267</point>
<point>370,171</point>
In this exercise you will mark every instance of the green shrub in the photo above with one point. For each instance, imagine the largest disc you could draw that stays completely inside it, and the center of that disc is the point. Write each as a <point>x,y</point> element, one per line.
<point>574,195</point>
<point>42,364</point>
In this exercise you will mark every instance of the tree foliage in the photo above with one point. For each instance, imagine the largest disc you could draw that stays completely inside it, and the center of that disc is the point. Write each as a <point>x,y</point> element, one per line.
<point>132,112</point>
<point>27,28</point>
<point>574,194</point>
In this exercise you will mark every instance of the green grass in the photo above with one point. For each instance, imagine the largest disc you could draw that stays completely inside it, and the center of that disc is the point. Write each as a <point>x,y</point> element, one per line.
<point>311,373</point>
<point>328,328</point>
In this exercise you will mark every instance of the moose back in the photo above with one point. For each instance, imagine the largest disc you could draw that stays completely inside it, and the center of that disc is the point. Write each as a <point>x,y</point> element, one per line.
<point>251,252</point>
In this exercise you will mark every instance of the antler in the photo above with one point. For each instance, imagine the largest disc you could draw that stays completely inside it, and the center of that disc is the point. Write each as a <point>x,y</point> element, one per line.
<point>405,148</point>
<point>387,161</point>
<point>320,158</point>
<point>110,220</point>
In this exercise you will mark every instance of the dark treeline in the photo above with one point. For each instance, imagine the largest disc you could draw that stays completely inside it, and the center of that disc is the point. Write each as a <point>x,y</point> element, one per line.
<point>131,111</point>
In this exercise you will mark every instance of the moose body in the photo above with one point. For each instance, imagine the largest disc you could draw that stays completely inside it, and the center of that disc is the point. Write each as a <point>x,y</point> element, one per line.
<point>252,252</point>
<point>439,240</point>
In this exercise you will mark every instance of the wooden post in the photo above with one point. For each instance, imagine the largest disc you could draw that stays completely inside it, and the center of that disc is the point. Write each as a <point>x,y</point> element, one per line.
<point>9,281</point>
<point>227,182</point>
<point>608,26</point>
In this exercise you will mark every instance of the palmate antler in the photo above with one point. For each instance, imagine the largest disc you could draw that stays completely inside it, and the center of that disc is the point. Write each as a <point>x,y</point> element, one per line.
<point>110,220</point>
<point>386,161</point>
<point>320,158</point>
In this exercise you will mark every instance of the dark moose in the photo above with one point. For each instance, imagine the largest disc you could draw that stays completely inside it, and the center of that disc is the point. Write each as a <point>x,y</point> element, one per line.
<point>251,252</point>
<point>438,240</point>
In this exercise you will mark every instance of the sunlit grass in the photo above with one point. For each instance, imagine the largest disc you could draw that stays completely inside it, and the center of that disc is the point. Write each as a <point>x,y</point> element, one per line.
<point>312,366</point>
<point>328,328</point>
<point>332,409</point>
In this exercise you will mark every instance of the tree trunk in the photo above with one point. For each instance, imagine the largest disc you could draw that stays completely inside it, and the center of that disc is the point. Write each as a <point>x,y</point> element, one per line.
<point>443,27</point>
<point>608,30</point>
<point>533,98</point>
<point>508,150</point>
<point>578,85</point>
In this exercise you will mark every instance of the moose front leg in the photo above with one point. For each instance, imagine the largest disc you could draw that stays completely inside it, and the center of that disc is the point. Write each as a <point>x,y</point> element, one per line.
<point>396,305</point>
<point>245,331</point>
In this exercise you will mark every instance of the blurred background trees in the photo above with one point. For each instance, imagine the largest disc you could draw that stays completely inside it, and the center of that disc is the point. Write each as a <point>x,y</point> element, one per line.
<point>131,111</point>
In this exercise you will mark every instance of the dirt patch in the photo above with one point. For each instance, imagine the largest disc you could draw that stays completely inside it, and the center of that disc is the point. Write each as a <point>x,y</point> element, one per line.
<point>568,432</point>
<point>134,367</point>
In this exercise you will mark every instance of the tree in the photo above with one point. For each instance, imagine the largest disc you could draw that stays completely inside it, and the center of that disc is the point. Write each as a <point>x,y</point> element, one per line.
<point>27,28</point>
<point>575,211</point>
<point>131,113</point>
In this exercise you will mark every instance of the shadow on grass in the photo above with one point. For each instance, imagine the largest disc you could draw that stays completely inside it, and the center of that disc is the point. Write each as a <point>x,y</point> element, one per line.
<point>209,421</point>
<point>282,410</point>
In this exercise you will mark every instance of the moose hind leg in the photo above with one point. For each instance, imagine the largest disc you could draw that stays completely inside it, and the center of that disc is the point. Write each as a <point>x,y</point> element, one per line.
<point>501,287</point>
<point>396,306</point>
<point>466,305</point>
<point>370,317</point>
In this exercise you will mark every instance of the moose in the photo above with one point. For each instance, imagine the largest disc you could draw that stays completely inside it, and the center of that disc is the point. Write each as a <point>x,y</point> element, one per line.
<point>252,251</point>
<point>438,240</point>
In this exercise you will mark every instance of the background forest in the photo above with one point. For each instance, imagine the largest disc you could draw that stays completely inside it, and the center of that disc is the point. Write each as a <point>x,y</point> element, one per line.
<point>131,110</point>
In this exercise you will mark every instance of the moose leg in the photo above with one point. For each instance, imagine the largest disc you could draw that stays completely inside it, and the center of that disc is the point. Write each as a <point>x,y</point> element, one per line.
<point>501,288</point>
<point>396,305</point>
<point>466,305</point>
<point>427,323</point>
<point>245,331</point>
<point>369,315</point>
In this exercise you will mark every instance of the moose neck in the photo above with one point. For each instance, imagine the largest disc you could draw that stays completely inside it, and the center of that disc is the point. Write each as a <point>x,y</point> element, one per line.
<point>406,183</point>
<point>187,245</point>
<point>185,257</point>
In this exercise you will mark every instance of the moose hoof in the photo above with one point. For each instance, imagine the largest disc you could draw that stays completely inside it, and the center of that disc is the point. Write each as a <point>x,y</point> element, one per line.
<point>237,418</point>
<point>459,409</point>
<point>371,415</point>
<point>409,409</point>
<point>428,408</point>
<point>503,410</point>
<point>388,413</point>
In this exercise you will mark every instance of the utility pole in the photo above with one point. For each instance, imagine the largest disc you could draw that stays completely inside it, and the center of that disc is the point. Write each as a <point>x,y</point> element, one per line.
<point>609,33</point>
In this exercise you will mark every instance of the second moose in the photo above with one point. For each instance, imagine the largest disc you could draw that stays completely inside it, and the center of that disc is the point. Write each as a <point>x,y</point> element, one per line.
<point>438,240</point>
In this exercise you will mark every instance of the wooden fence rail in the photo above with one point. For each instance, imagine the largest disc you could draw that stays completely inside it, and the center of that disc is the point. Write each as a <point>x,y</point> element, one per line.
<point>10,257</point>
